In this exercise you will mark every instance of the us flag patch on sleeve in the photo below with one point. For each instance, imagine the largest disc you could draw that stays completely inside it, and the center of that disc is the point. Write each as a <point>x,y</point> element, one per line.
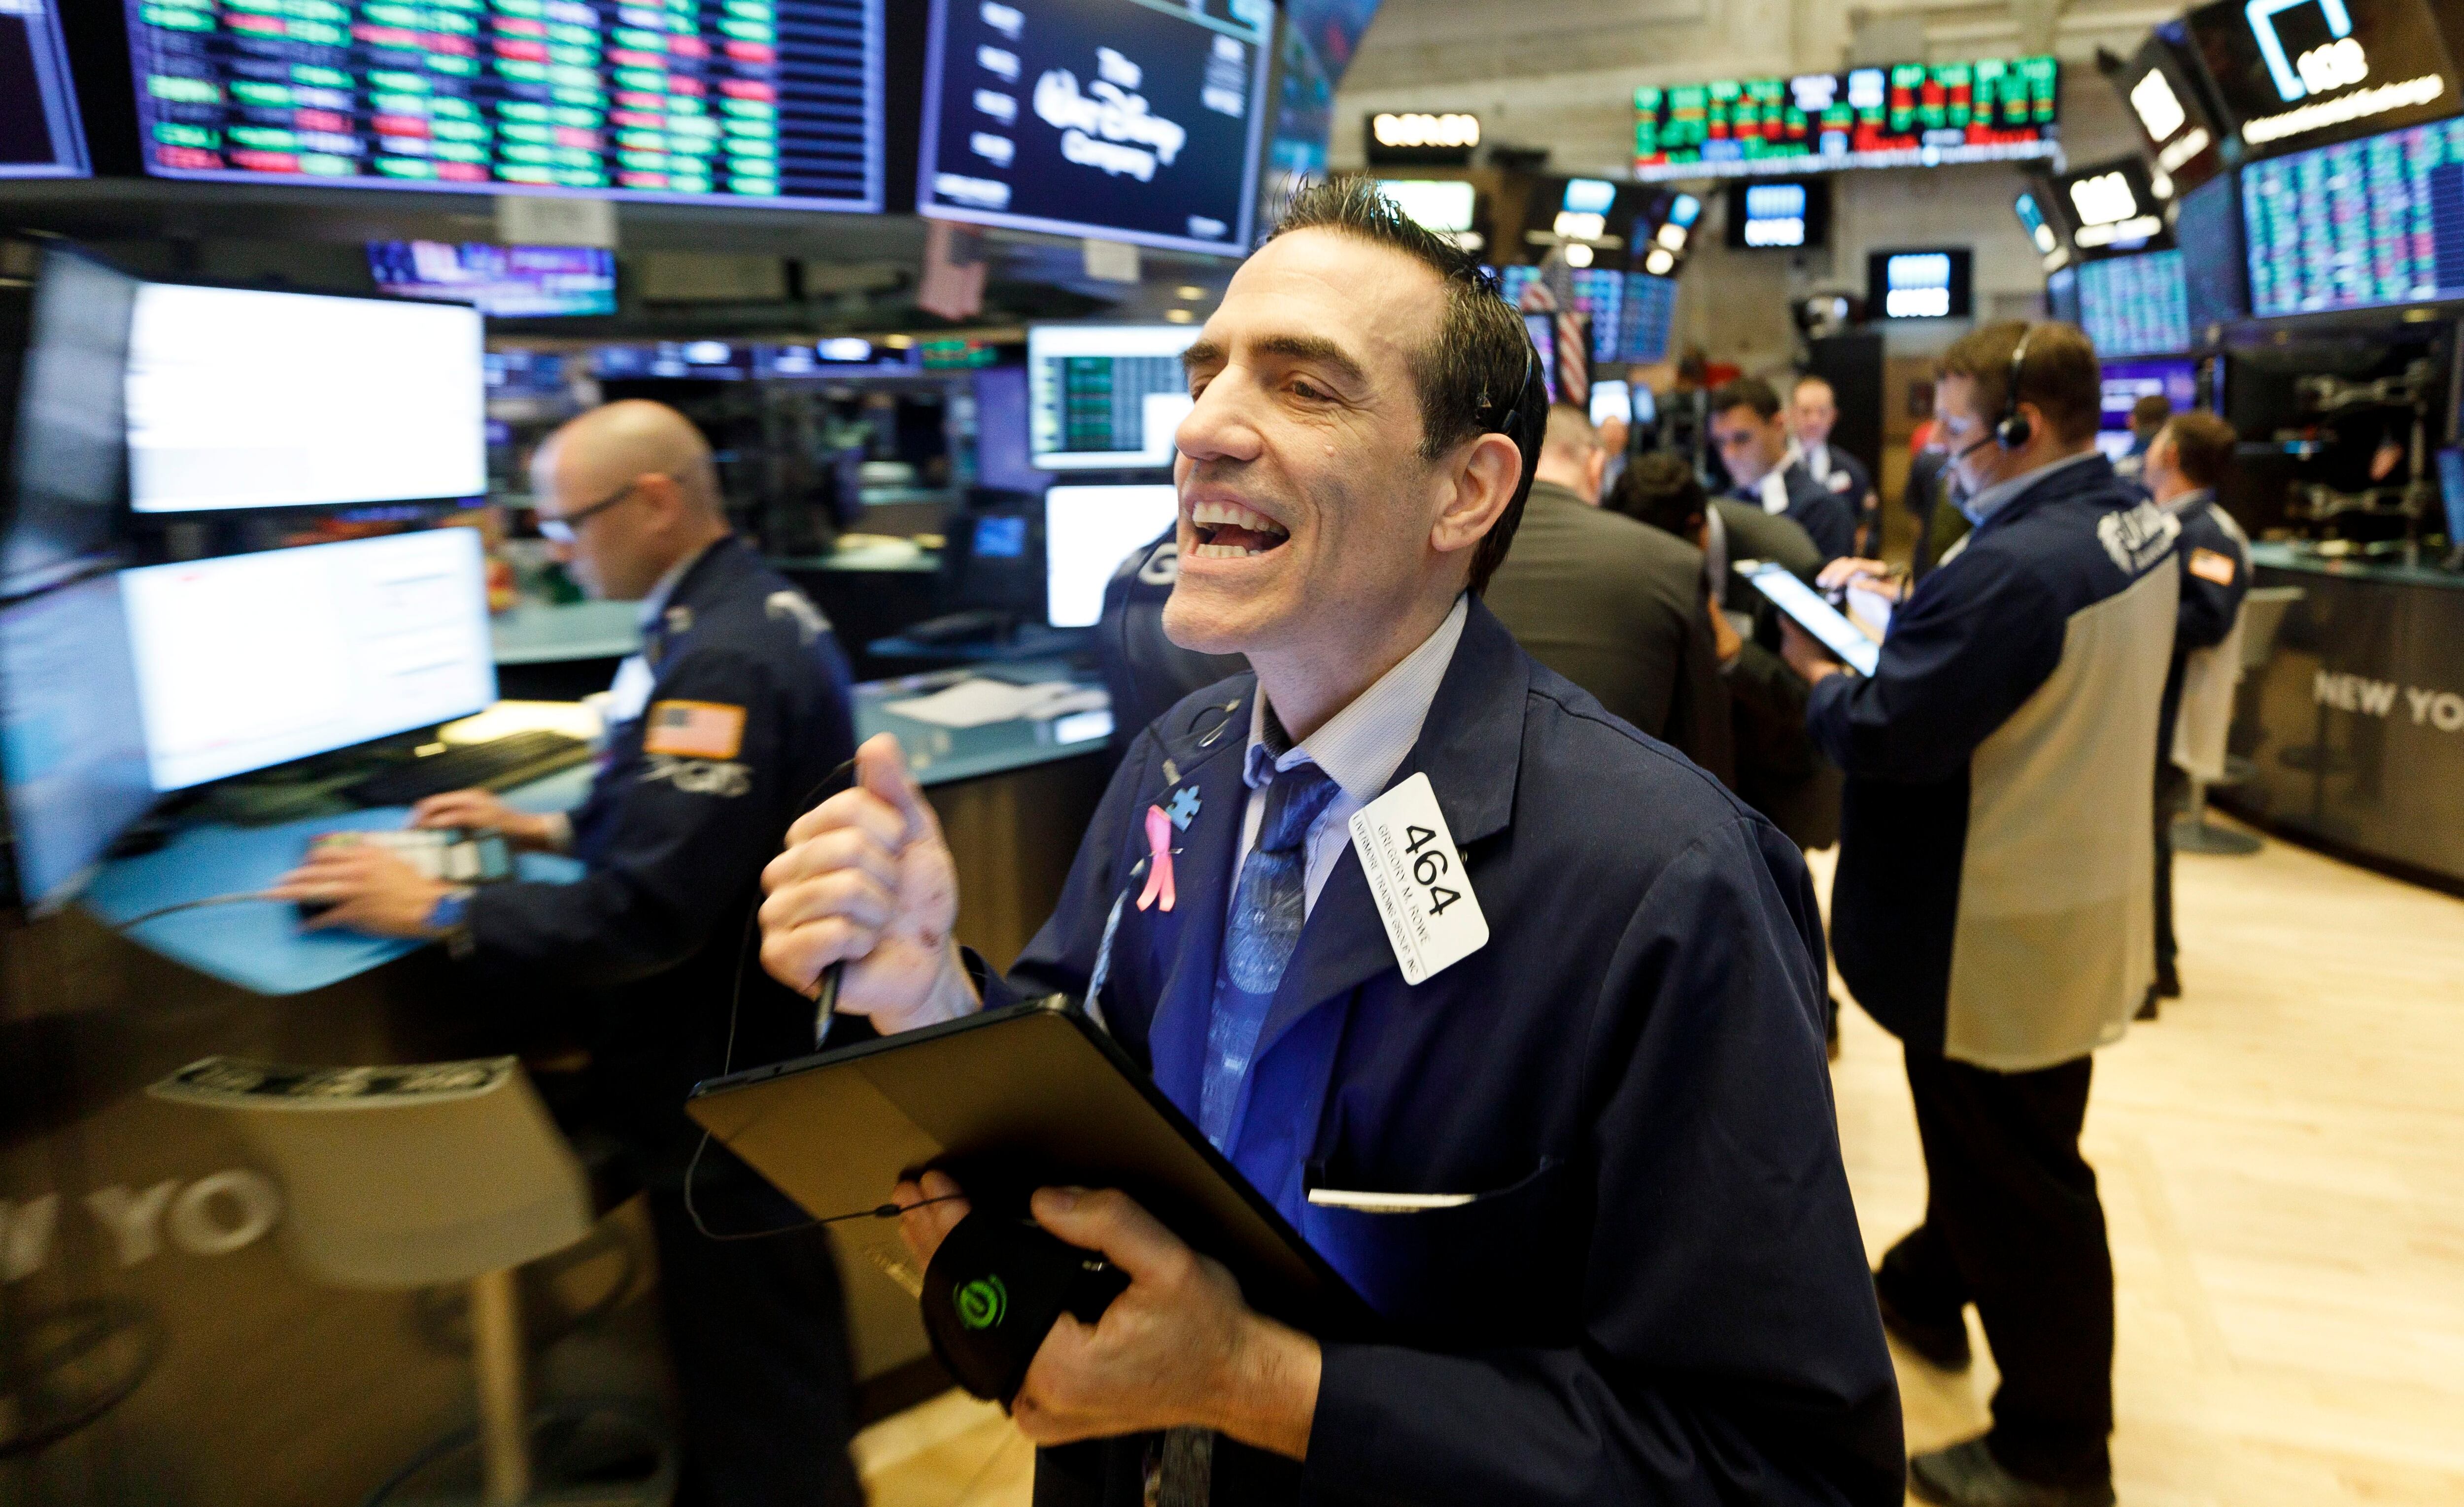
<point>693,729</point>
<point>2209,565</point>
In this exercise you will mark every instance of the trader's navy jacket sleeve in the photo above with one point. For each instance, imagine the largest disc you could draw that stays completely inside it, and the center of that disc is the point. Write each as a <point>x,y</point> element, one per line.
<point>2208,607</point>
<point>669,843</point>
<point>1661,1294</point>
<point>1966,651</point>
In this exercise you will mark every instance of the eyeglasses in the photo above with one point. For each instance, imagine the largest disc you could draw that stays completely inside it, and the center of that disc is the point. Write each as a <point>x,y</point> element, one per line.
<point>561,528</point>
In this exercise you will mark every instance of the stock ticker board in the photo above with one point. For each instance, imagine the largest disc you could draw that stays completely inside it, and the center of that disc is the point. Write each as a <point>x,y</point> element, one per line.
<point>1905,115</point>
<point>762,101</point>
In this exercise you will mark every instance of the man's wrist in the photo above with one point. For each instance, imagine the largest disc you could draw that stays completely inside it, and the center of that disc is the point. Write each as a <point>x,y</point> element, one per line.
<point>1267,1398</point>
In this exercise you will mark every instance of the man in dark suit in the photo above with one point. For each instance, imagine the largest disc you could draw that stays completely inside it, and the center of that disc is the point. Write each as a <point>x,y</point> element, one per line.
<point>1812,408</point>
<point>735,711</point>
<point>1641,1278</point>
<point>1613,608</point>
<point>1751,432</point>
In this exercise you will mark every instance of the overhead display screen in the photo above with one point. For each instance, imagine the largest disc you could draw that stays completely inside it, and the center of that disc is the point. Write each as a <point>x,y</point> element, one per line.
<point>1919,285</point>
<point>690,101</point>
<point>2358,225</point>
<point>2214,277</point>
<point>39,135</point>
<point>1907,115</point>
<point>2169,105</point>
<point>2135,305</point>
<point>2290,72</point>
<point>1127,119</point>
<point>505,282</point>
<point>1786,216</point>
<point>1630,314</point>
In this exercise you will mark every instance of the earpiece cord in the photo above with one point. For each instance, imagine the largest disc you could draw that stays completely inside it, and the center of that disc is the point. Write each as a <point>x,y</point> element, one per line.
<point>827,1005</point>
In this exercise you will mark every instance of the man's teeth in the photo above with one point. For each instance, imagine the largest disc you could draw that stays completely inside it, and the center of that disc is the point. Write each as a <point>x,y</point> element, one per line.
<point>1238,516</point>
<point>1223,552</point>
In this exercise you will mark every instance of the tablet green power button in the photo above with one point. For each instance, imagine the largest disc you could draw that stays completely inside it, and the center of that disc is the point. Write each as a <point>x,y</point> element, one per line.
<point>983,1302</point>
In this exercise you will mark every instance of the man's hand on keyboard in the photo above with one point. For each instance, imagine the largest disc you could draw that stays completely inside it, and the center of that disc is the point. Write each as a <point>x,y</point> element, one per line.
<point>483,811</point>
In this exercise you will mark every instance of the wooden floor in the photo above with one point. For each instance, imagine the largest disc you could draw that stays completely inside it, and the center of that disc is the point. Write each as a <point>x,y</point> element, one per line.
<point>2282,1162</point>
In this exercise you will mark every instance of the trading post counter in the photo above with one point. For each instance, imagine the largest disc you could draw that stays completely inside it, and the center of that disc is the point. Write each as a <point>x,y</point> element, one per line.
<point>164,1339</point>
<point>2353,724</point>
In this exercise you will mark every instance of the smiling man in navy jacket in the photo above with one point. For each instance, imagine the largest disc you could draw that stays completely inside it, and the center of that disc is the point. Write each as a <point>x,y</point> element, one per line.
<point>1991,907</point>
<point>1647,1284</point>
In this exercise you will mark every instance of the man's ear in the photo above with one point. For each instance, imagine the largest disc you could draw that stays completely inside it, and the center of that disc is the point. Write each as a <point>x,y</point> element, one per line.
<point>660,491</point>
<point>1484,480</point>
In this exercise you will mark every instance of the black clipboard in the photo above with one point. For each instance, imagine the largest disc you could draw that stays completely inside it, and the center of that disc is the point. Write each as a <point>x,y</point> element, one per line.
<point>1008,1101</point>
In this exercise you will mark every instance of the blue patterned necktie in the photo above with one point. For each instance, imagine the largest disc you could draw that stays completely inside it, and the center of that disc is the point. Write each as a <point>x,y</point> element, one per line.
<point>1264,925</point>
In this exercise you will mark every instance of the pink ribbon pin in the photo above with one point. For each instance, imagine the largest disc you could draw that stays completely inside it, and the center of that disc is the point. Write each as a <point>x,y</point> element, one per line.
<point>1158,859</point>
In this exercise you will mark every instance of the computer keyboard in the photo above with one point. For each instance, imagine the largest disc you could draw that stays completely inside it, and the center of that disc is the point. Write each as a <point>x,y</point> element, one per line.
<point>498,764</point>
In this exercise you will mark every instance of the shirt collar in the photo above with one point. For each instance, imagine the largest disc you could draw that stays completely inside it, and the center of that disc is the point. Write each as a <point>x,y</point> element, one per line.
<point>1361,746</point>
<point>1772,492</point>
<point>655,604</point>
<point>1993,499</point>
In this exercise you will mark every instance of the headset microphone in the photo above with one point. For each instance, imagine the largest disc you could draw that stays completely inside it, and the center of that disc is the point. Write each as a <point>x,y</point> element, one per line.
<point>2015,431</point>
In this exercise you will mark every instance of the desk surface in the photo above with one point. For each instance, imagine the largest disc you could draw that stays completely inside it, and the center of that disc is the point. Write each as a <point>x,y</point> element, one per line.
<point>537,634</point>
<point>259,946</point>
<point>942,755</point>
<point>2281,556</point>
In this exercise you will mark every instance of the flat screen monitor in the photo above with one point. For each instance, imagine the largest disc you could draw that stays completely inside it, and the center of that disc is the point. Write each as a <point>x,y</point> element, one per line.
<point>1105,396</point>
<point>249,661</point>
<point>2041,233</point>
<point>2358,225</point>
<point>2135,305</point>
<point>1920,284</point>
<point>2061,294</point>
<point>1127,119</point>
<point>40,136</point>
<point>70,450</point>
<point>239,399</point>
<point>766,102</point>
<point>1779,216</point>
<point>1900,115</point>
<point>1087,532</point>
<point>1612,399</point>
<point>503,282</point>
<point>1543,330</point>
<point>1629,312</point>
<point>1002,459</point>
<point>2215,279</point>
<point>69,735</point>
<point>2125,383</point>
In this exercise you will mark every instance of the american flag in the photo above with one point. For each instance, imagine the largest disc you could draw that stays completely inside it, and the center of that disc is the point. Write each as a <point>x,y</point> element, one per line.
<point>1573,344</point>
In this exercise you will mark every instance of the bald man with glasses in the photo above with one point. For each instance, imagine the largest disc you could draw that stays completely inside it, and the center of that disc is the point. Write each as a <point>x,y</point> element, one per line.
<point>720,734</point>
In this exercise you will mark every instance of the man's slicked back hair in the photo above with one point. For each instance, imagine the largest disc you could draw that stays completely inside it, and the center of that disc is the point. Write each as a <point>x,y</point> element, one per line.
<point>1471,375</point>
<point>1746,392</point>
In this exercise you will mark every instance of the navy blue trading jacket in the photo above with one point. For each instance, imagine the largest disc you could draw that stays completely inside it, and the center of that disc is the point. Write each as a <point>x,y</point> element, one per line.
<point>748,713</point>
<point>1660,1294</point>
<point>1993,896</point>
<point>2215,579</point>
<point>1827,517</point>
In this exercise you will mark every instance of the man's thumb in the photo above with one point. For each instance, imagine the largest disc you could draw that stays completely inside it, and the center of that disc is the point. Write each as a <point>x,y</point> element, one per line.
<point>881,769</point>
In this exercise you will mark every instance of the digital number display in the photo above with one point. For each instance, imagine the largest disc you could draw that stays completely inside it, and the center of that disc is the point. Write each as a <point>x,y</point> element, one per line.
<point>1901,115</point>
<point>2358,225</point>
<point>2135,305</point>
<point>763,101</point>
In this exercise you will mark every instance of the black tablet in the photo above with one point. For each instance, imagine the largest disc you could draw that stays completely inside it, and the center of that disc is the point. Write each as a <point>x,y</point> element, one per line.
<point>1008,1101</point>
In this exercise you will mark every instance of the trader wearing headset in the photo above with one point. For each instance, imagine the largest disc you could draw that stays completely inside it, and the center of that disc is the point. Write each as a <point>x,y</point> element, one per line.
<point>1992,904</point>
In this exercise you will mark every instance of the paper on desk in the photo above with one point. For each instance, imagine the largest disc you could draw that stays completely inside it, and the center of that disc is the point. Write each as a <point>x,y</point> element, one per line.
<point>980,702</point>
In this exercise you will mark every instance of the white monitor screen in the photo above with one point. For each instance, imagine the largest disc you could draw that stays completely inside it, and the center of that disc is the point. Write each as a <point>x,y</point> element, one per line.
<point>1105,396</point>
<point>1435,204</point>
<point>1087,532</point>
<point>249,661</point>
<point>239,399</point>
<point>69,735</point>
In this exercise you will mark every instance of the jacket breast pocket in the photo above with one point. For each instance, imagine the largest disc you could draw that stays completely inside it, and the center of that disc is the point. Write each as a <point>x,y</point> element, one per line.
<point>1493,1269</point>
